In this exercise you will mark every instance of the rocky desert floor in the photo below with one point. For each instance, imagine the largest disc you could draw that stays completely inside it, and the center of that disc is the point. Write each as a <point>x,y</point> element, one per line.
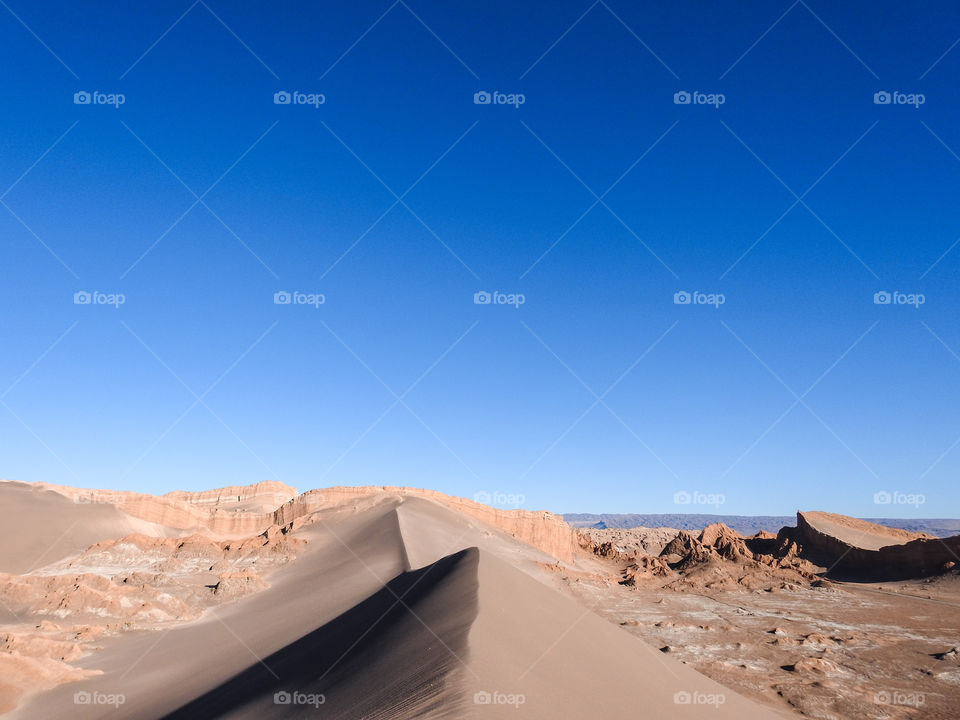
<point>404,603</point>
<point>824,649</point>
<point>348,603</point>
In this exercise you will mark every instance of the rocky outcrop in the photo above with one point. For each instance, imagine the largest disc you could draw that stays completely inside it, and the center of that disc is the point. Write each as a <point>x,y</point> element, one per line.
<point>237,584</point>
<point>728,543</point>
<point>685,548</point>
<point>608,543</point>
<point>863,547</point>
<point>645,568</point>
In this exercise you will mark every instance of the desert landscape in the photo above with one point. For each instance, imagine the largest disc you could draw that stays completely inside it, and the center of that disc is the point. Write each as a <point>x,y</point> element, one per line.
<point>389,602</point>
<point>319,317</point>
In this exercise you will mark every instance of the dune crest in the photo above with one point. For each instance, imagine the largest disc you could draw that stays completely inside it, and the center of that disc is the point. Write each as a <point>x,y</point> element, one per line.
<point>370,602</point>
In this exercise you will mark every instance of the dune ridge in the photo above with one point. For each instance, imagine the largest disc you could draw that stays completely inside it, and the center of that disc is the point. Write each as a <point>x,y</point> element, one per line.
<point>399,607</point>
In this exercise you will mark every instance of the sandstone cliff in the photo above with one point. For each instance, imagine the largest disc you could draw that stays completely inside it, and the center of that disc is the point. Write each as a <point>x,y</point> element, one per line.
<point>865,547</point>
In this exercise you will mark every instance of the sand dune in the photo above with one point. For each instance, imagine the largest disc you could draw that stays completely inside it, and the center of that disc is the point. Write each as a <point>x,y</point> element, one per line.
<point>41,525</point>
<point>401,606</point>
<point>395,654</point>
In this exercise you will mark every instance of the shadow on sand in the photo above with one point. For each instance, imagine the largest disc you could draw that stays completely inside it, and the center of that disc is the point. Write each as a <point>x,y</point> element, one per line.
<point>377,659</point>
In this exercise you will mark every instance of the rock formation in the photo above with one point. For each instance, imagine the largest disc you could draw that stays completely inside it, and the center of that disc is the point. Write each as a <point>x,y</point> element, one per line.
<point>863,547</point>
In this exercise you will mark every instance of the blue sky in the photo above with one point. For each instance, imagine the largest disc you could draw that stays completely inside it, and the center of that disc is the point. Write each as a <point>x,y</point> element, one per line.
<point>397,199</point>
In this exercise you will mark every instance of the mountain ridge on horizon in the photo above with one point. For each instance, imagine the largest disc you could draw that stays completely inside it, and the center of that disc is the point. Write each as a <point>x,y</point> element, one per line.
<point>744,524</point>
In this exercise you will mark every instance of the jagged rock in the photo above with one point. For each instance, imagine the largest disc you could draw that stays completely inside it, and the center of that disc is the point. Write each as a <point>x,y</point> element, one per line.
<point>645,567</point>
<point>727,542</point>
<point>952,654</point>
<point>237,584</point>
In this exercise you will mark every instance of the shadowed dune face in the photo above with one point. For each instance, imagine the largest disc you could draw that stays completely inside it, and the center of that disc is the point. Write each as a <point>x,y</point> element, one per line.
<point>386,604</point>
<point>398,603</point>
<point>394,655</point>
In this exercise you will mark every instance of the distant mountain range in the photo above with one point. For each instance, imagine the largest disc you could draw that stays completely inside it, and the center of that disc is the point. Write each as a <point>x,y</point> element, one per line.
<point>745,524</point>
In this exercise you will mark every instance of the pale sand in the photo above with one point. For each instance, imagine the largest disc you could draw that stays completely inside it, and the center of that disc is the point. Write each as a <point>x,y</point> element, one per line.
<point>479,621</point>
<point>41,526</point>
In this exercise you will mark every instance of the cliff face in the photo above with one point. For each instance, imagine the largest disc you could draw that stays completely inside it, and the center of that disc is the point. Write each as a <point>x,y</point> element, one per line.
<point>261,506</point>
<point>263,496</point>
<point>216,511</point>
<point>875,549</point>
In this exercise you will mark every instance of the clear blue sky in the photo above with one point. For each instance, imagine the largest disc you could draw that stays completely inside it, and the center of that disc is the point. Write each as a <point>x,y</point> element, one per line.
<point>198,379</point>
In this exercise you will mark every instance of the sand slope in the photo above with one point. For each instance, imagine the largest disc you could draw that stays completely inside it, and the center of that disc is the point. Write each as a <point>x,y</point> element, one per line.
<point>400,608</point>
<point>42,526</point>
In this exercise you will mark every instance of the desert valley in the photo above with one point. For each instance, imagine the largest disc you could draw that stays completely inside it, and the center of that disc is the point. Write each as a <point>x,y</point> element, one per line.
<point>388,602</point>
<point>422,360</point>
